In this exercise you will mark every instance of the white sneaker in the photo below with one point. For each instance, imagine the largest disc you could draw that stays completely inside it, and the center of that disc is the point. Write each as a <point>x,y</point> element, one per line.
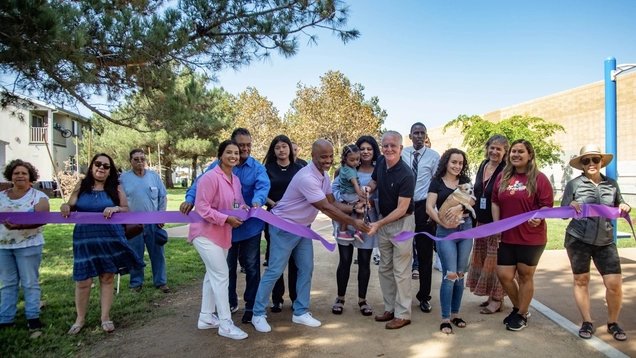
<point>307,319</point>
<point>260,324</point>
<point>208,321</point>
<point>231,331</point>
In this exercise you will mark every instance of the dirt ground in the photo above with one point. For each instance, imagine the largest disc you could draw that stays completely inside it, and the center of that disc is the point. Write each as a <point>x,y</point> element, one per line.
<point>346,335</point>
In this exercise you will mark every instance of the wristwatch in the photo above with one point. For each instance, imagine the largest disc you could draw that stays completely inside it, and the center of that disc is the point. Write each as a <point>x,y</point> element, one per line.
<point>353,208</point>
<point>463,207</point>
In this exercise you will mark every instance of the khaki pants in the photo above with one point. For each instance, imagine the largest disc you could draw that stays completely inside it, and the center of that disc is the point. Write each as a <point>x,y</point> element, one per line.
<point>395,267</point>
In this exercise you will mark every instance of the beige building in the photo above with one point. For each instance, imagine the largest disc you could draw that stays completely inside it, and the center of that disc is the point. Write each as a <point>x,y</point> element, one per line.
<point>581,111</point>
<point>27,129</point>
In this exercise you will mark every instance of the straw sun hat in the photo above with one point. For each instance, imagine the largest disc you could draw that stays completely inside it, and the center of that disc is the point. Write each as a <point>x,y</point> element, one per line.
<point>590,149</point>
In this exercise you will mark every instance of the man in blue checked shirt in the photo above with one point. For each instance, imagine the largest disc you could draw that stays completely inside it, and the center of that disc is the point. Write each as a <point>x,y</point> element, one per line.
<point>246,239</point>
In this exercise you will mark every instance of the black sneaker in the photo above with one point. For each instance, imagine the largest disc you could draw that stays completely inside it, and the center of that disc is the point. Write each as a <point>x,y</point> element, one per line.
<point>517,323</point>
<point>515,310</point>
<point>276,307</point>
<point>34,324</point>
<point>247,317</point>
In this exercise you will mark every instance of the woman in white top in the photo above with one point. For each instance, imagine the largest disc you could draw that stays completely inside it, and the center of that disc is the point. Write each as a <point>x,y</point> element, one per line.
<point>21,246</point>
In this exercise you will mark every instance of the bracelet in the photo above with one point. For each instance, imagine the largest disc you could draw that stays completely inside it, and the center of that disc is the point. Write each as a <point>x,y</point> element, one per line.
<point>353,208</point>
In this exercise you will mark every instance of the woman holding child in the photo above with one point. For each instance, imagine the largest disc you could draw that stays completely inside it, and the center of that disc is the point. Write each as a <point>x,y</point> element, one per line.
<point>369,152</point>
<point>454,254</point>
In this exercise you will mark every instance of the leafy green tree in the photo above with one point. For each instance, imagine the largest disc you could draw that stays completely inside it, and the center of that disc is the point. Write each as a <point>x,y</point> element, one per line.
<point>67,51</point>
<point>336,110</point>
<point>191,118</point>
<point>537,131</point>
<point>258,114</point>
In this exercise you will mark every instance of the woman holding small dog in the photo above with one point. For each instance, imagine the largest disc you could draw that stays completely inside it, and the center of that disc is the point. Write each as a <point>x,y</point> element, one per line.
<point>451,174</point>
<point>482,277</point>
<point>520,188</point>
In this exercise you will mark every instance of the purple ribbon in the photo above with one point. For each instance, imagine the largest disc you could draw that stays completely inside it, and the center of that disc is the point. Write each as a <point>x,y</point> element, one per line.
<point>564,212</point>
<point>159,217</point>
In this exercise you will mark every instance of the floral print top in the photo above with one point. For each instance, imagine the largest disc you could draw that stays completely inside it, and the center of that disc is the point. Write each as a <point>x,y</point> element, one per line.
<point>17,239</point>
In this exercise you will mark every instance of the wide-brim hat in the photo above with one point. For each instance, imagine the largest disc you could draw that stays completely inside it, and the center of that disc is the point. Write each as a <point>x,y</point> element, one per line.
<point>590,149</point>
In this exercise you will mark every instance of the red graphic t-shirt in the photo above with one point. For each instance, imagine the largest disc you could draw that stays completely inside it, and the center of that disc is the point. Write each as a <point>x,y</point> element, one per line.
<point>515,200</point>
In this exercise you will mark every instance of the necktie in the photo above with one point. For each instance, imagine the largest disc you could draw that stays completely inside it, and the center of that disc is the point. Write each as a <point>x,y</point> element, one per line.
<point>416,161</point>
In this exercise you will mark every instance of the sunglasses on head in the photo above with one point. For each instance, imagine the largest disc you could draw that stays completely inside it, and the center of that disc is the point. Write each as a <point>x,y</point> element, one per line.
<point>100,164</point>
<point>586,161</point>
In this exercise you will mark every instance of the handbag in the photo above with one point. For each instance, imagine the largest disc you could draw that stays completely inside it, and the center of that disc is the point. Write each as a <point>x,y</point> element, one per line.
<point>133,230</point>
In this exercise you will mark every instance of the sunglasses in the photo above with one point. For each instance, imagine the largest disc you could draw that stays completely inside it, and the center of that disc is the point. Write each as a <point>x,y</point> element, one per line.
<point>586,161</point>
<point>100,164</point>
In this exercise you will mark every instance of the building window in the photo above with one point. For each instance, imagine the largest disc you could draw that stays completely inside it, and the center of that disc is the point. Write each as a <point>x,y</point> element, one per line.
<point>37,121</point>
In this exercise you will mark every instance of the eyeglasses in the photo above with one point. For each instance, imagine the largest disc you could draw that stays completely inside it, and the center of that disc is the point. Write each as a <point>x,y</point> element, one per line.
<point>586,161</point>
<point>100,164</point>
<point>139,159</point>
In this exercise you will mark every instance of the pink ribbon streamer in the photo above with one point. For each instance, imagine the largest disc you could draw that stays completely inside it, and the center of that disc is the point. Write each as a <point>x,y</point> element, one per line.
<point>565,212</point>
<point>159,217</point>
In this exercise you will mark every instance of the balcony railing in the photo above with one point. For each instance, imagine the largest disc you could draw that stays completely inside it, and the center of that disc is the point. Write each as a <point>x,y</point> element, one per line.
<point>39,133</point>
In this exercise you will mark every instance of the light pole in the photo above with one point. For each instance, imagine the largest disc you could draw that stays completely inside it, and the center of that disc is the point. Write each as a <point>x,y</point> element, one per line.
<point>611,71</point>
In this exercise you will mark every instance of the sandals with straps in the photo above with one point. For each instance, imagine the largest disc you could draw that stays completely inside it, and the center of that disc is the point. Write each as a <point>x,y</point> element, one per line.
<point>587,330</point>
<point>446,325</point>
<point>365,309</point>
<point>616,331</point>
<point>338,306</point>
<point>459,322</point>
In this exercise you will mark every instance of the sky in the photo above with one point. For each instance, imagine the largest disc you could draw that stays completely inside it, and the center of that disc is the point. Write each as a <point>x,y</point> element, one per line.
<point>431,61</point>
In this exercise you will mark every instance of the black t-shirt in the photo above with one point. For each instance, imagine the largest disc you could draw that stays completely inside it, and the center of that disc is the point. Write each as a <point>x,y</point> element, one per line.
<point>484,216</point>
<point>443,192</point>
<point>280,179</point>
<point>393,183</point>
<point>301,162</point>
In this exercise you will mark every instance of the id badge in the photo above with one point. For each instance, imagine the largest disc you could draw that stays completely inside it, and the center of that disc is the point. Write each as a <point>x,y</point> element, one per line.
<point>482,203</point>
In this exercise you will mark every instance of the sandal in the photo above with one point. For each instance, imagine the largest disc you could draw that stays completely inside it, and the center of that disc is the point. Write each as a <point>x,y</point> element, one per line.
<point>446,325</point>
<point>586,330</point>
<point>338,306</point>
<point>459,322</point>
<point>488,310</point>
<point>365,309</point>
<point>484,304</point>
<point>108,326</point>
<point>75,329</point>
<point>415,275</point>
<point>616,331</point>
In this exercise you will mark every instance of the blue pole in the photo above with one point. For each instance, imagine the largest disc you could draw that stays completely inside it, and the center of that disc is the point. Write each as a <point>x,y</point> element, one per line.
<point>610,122</point>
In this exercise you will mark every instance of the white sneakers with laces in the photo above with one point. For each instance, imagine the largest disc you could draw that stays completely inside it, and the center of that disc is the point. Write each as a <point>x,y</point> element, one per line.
<point>260,324</point>
<point>307,319</point>
<point>208,321</point>
<point>229,330</point>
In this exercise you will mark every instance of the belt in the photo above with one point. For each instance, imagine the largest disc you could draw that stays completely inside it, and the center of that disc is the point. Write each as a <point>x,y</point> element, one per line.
<point>405,216</point>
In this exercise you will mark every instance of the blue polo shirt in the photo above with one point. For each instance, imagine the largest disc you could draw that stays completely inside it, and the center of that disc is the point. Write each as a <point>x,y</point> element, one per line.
<point>254,187</point>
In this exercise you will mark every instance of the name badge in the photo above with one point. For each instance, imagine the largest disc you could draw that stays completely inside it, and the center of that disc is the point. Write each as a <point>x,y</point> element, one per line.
<point>482,203</point>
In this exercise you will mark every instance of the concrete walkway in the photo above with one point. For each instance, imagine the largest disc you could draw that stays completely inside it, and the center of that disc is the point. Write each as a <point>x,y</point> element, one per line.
<point>552,331</point>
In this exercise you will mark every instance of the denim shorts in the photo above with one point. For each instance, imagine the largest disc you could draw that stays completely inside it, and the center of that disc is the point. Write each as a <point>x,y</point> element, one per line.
<point>605,258</point>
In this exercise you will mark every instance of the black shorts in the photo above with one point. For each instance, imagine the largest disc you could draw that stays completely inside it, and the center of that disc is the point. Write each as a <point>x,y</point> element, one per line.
<point>513,254</point>
<point>605,258</point>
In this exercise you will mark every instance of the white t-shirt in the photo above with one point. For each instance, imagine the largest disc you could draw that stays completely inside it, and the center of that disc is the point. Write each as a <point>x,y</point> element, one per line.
<point>17,239</point>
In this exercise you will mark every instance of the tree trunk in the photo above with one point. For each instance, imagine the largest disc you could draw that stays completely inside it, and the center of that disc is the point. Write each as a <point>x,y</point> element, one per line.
<point>194,166</point>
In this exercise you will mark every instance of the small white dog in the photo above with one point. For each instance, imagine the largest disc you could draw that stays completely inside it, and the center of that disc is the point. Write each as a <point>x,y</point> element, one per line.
<point>462,195</point>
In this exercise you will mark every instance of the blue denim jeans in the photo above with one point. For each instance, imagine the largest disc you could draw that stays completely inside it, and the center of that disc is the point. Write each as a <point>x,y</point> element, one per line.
<point>20,266</point>
<point>156,254</point>
<point>283,245</point>
<point>248,252</point>
<point>454,255</point>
